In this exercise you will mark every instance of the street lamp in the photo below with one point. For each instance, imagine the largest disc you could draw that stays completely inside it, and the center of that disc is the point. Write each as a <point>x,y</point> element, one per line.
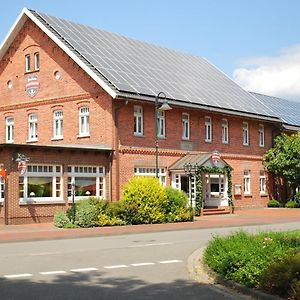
<point>164,107</point>
<point>73,197</point>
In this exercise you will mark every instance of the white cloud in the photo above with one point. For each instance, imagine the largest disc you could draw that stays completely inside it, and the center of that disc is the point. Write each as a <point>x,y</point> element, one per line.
<point>275,76</point>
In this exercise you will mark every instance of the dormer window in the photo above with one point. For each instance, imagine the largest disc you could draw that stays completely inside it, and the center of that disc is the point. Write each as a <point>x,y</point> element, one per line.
<point>27,63</point>
<point>36,61</point>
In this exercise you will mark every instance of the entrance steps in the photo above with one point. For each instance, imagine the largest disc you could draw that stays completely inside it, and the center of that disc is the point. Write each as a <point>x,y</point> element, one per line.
<point>208,211</point>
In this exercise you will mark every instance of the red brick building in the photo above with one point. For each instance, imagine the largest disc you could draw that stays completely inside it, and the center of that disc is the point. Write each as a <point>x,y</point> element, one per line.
<point>77,105</point>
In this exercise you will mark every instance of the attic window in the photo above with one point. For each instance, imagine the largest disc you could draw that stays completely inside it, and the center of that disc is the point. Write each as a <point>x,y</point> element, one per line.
<point>27,63</point>
<point>36,61</point>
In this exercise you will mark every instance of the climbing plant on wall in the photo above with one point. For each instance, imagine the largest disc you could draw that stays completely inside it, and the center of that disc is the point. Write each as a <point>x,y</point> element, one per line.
<point>199,170</point>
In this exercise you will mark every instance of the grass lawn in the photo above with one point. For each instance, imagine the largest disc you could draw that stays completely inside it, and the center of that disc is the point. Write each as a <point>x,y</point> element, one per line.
<point>268,260</point>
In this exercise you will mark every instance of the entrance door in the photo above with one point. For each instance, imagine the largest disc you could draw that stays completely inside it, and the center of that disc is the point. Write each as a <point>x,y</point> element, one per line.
<point>215,190</point>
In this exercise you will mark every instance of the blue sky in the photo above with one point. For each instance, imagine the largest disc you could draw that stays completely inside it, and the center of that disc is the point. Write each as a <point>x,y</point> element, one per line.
<point>257,43</point>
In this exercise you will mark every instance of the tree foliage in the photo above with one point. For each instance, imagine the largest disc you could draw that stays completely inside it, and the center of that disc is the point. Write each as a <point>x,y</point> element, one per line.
<point>283,160</point>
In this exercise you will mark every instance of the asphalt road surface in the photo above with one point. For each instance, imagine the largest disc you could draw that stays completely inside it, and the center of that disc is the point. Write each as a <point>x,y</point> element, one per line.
<point>133,266</point>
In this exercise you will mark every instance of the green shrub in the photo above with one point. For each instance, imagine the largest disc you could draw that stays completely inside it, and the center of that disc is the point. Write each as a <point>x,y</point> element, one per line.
<point>144,200</point>
<point>292,204</point>
<point>297,197</point>
<point>274,203</point>
<point>106,220</point>
<point>176,199</point>
<point>87,211</point>
<point>61,219</point>
<point>243,257</point>
<point>283,277</point>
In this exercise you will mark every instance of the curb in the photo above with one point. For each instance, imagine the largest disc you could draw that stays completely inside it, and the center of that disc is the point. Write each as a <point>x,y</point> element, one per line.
<point>201,273</point>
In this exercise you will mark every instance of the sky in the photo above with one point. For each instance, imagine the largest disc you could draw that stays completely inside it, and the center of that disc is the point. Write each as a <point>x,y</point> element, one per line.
<point>254,42</point>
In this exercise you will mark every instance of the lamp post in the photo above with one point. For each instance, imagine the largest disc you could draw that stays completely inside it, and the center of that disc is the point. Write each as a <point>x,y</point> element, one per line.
<point>73,197</point>
<point>164,107</point>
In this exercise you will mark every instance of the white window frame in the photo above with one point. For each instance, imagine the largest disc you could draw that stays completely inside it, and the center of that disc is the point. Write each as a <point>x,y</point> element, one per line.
<point>77,171</point>
<point>161,124</point>
<point>225,131</point>
<point>151,172</point>
<point>138,115</point>
<point>247,182</point>
<point>261,135</point>
<point>58,124</point>
<point>36,61</point>
<point>9,129</point>
<point>43,170</point>
<point>27,63</point>
<point>262,182</point>
<point>84,121</point>
<point>2,189</point>
<point>185,126</point>
<point>245,134</point>
<point>208,129</point>
<point>32,127</point>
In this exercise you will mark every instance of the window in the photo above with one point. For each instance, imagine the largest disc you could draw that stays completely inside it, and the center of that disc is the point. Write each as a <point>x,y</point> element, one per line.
<point>261,135</point>
<point>9,130</point>
<point>58,124</point>
<point>88,180</point>
<point>225,138</point>
<point>185,126</point>
<point>27,63</point>
<point>36,61</point>
<point>245,134</point>
<point>149,171</point>
<point>1,189</point>
<point>262,182</point>
<point>138,121</point>
<point>208,129</point>
<point>215,185</point>
<point>84,121</point>
<point>161,129</point>
<point>41,183</point>
<point>247,189</point>
<point>32,127</point>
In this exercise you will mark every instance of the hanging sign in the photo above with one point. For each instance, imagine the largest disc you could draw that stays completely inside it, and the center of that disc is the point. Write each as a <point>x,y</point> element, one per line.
<point>32,85</point>
<point>215,157</point>
<point>21,161</point>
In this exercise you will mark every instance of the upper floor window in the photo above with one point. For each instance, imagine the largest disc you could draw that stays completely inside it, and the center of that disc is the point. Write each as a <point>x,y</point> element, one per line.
<point>36,61</point>
<point>185,126</point>
<point>225,131</point>
<point>161,122</point>
<point>261,135</point>
<point>262,182</point>
<point>138,120</point>
<point>32,127</point>
<point>247,187</point>
<point>84,121</point>
<point>245,134</point>
<point>208,129</point>
<point>27,63</point>
<point>9,130</point>
<point>58,124</point>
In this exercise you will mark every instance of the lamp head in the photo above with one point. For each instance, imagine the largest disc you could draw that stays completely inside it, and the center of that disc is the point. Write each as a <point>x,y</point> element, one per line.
<point>165,106</point>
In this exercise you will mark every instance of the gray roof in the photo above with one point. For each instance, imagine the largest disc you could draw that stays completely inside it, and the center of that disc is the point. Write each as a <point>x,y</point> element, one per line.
<point>132,67</point>
<point>288,111</point>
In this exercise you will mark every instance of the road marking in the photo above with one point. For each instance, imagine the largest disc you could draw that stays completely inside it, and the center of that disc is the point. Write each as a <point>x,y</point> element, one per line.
<point>84,270</point>
<point>53,272</point>
<point>149,245</point>
<point>143,264</point>
<point>43,253</point>
<point>116,267</point>
<point>170,261</point>
<point>18,275</point>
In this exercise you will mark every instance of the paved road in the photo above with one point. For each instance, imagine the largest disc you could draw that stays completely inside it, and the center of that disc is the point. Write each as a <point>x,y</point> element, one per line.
<point>134,266</point>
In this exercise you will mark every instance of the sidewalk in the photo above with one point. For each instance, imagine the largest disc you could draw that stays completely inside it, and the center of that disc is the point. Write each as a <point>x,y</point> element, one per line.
<point>44,231</point>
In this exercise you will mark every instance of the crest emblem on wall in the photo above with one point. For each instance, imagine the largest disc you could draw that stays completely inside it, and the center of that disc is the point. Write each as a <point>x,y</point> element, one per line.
<point>32,85</point>
<point>215,156</point>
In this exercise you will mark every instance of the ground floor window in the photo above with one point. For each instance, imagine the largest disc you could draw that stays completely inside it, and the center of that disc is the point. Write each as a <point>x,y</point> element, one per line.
<point>146,171</point>
<point>1,189</point>
<point>247,189</point>
<point>88,181</point>
<point>41,183</point>
<point>214,185</point>
<point>262,182</point>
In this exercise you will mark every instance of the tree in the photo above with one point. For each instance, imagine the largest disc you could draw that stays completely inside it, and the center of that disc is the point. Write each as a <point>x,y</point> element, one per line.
<point>283,160</point>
